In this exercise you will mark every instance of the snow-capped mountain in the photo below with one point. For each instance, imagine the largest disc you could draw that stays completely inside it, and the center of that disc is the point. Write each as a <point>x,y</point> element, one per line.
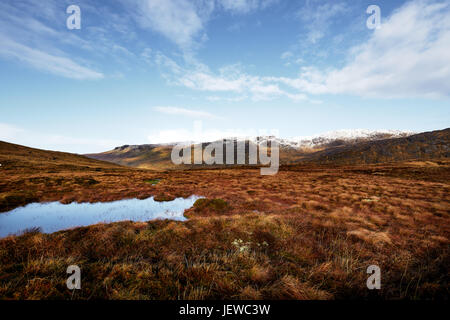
<point>302,142</point>
<point>335,137</point>
<point>337,147</point>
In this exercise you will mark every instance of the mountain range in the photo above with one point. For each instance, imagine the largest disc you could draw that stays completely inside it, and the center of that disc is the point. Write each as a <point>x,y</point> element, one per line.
<point>339,147</point>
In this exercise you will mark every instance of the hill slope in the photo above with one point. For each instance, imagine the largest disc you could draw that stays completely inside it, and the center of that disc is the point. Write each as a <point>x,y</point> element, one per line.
<point>395,215</point>
<point>31,175</point>
<point>423,146</point>
<point>147,156</point>
<point>13,156</point>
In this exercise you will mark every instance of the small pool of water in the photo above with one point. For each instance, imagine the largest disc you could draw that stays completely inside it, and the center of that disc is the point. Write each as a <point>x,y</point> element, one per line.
<point>54,216</point>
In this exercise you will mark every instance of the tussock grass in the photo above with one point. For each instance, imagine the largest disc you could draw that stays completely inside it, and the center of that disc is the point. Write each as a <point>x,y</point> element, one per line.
<point>306,233</point>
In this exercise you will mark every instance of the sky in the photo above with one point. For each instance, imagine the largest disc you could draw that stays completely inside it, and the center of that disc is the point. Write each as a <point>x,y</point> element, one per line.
<point>159,71</point>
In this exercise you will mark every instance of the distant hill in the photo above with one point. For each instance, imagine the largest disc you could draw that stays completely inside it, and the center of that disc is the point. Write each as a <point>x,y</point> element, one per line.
<point>341,147</point>
<point>147,156</point>
<point>17,156</point>
<point>341,137</point>
<point>423,146</point>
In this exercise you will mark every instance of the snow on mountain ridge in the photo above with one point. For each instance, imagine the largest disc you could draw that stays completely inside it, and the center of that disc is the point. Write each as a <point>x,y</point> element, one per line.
<point>314,141</point>
<point>349,136</point>
<point>354,134</point>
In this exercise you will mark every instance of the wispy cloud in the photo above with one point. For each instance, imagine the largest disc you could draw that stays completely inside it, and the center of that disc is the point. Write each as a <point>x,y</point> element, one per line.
<point>228,79</point>
<point>318,19</point>
<point>407,57</point>
<point>228,99</point>
<point>57,65</point>
<point>287,55</point>
<point>34,33</point>
<point>245,6</point>
<point>198,134</point>
<point>15,134</point>
<point>185,112</point>
<point>23,38</point>
<point>231,79</point>
<point>184,21</point>
<point>181,21</point>
<point>8,132</point>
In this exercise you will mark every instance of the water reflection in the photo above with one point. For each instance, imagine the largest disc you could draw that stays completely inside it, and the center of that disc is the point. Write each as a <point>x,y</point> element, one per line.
<point>54,216</point>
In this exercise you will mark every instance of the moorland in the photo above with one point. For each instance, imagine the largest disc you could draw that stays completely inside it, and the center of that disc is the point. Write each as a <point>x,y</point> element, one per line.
<point>309,232</point>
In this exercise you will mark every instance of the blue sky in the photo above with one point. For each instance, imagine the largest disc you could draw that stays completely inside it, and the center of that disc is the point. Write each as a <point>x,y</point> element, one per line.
<point>147,71</point>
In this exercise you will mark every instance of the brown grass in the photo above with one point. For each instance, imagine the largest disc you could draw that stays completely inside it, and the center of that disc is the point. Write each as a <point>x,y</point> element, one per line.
<point>306,233</point>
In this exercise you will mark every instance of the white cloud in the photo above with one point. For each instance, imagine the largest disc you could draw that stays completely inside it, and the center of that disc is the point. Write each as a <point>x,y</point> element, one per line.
<point>228,99</point>
<point>228,79</point>
<point>185,112</point>
<point>206,81</point>
<point>35,34</point>
<point>319,19</point>
<point>14,134</point>
<point>202,135</point>
<point>184,21</point>
<point>165,62</point>
<point>181,21</point>
<point>147,55</point>
<point>287,55</point>
<point>245,6</point>
<point>57,65</point>
<point>407,57</point>
<point>235,27</point>
<point>9,132</point>
<point>290,58</point>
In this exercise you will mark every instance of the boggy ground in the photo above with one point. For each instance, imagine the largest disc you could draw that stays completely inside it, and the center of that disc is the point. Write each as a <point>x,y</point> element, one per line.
<point>306,233</point>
